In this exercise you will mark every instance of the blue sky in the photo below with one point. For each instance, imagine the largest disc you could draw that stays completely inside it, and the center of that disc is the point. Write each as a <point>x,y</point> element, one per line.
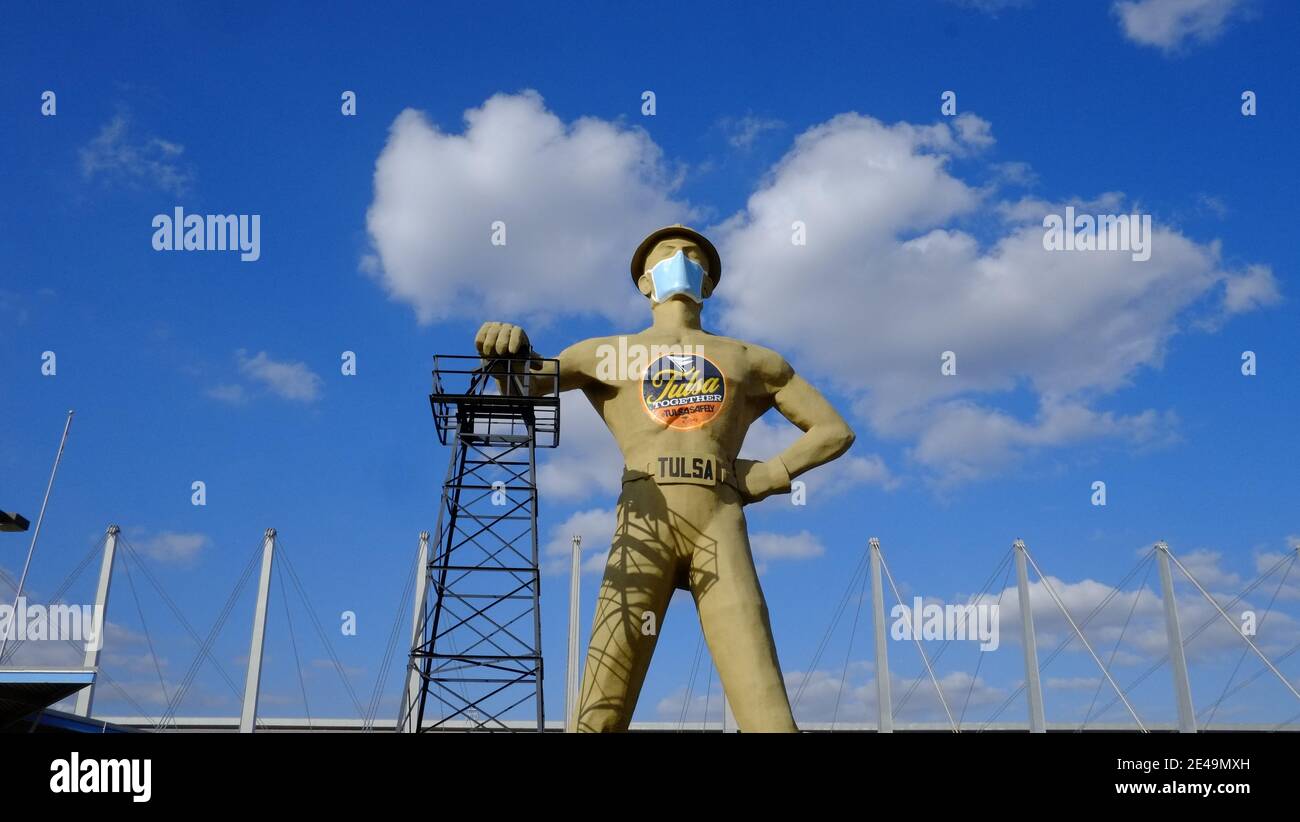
<point>922,229</point>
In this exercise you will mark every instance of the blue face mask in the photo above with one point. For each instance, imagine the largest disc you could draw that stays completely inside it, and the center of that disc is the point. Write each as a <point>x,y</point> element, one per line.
<point>678,274</point>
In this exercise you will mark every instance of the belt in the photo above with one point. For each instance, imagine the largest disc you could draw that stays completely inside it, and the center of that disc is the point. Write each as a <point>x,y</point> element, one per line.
<point>684,469</point>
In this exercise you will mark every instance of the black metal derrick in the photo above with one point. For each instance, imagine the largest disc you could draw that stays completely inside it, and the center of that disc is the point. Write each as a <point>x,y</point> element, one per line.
<point>479,657</point>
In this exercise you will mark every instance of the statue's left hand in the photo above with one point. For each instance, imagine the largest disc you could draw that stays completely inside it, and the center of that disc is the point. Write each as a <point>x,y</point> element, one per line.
<point>760,480</point>
<point>495,339</point>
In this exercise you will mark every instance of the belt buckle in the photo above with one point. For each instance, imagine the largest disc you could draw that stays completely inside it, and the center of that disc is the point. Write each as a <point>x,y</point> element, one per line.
<point>690,469</point>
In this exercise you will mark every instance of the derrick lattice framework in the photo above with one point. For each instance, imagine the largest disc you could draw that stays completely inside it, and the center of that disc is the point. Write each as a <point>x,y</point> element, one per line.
<point>477,660</point>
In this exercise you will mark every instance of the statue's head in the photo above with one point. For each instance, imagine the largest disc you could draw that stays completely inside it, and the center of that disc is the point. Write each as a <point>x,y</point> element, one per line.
<point>676,263</point>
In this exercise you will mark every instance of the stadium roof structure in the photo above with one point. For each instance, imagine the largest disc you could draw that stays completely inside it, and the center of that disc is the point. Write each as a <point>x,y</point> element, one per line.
<point>25,691</point>
<point>10,521</point>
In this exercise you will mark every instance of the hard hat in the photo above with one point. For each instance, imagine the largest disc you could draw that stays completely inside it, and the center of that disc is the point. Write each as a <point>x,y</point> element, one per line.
<point>647,245</point>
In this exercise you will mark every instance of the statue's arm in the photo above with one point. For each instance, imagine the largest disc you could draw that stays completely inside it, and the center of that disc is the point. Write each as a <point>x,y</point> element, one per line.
<point>825,433</point>
<point>576,363</point>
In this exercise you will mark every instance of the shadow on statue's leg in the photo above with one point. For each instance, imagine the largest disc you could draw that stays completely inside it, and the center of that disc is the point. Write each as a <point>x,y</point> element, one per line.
<point>734,618</point>
<point>640,576</point>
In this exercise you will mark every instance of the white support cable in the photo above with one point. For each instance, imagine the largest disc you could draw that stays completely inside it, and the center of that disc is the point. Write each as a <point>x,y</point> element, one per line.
<point>1052,592</point>
<point>57,597</point>
<point>690,684</point>
<point>975,677</point>
<point>103,676</point>
<point>390,649</point>
<point>708,695</point>
<point>951,721</point>
<point>1251,679</point>
<point>204,648</point>
<point>1194,634</point>
<point>1118,641</point>
<point>134,555</point>
<point>153,654</point>
<point>826,637</point>
<point>297,661</point>
<point>1230,621</point>
<point>983,591</point>
<point>301,590</point>
<point>848,650</point>
<point>1214,708</point>
<point>40,519</point>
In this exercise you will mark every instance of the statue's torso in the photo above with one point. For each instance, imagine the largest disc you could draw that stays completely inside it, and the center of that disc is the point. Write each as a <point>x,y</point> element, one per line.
<point>661,394</point>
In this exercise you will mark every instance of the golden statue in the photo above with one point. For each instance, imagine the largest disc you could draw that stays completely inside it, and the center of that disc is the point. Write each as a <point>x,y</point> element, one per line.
<point>678,401</point>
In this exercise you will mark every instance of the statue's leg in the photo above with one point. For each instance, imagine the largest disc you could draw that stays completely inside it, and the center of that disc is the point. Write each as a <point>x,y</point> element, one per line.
<point>734,617</point>
<point>639,581</point>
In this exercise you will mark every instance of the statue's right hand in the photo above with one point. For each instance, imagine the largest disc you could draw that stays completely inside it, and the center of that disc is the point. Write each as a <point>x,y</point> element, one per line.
<point>502,340</point>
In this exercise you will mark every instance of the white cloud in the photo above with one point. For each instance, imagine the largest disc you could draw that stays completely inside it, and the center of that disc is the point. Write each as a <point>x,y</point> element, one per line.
<point>869,469</point>
<point>1131,627</point>
<point>1207,566</point>
<point>1253,289</point>
<point>587,463</point>
<point>767,439</point>
<point>893,282</point>
<point>576,198</point>
<point>1208,203</point>
<point>973,132</point>
<point>743,131</point>
<point>991,7</point>
<point>119,155</point>
<point>1171,24</point>
<point>1016,173</point>
<point>231,393</point>
<point>768,546</point>
<point>170,546</point>
<point>1135,617</point>
<point>901,264</point>
<point>1287,588</point>
<point>286,379</point>
<point>595,526</point>
<point>963,441</point>
<point>850,696</point>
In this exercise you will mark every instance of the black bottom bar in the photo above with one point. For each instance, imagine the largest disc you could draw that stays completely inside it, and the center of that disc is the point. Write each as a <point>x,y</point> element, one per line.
<point>878,774</point>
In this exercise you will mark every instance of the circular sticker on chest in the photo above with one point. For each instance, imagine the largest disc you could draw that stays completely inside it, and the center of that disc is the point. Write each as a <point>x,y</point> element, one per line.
<point>683,390</point>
